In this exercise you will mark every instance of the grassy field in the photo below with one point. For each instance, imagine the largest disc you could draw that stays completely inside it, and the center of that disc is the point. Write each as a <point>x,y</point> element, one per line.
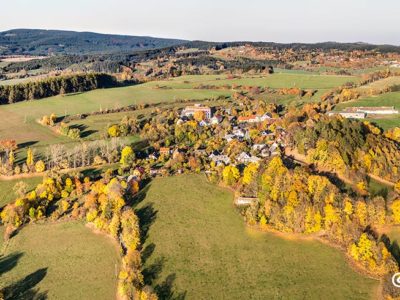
<point>278,80</point>
<point>18,121</point>
<point>6,188</point>
<point>198,246</point>
<point>64,261</point>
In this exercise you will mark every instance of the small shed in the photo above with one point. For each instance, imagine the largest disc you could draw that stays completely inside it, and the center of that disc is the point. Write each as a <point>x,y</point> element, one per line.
<point>244,201</point>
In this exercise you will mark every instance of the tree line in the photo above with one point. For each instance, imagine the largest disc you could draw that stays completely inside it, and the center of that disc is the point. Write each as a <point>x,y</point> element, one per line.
<point>55,86</point>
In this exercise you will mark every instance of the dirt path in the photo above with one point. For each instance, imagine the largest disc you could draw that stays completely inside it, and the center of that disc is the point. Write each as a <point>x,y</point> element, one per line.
<point>301,159</point>
<point>381,180</point>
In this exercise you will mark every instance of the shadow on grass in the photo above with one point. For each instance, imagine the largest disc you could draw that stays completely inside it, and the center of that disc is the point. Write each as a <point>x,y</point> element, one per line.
<point>83,129</point>
<point>7,263</point>
<point>24,289</point>
<point>147,215</point>
<point>165,290</point>
<point>27,144</point>
<point>153,270</point>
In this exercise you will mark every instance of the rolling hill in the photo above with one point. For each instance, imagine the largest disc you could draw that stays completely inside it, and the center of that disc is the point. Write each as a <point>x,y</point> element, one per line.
<point>45,42</point>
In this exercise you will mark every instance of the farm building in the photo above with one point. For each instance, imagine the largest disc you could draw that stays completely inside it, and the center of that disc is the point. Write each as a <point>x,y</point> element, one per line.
<point>380,110</point>
<point>191,110</point>
<point>348,115</point>
<point>242,201</point>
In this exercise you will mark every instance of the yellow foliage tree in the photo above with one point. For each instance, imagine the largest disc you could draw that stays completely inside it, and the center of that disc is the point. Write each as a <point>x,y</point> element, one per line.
<point>127,156</point>
<point>230,175</point>
<point>249,173</point>
<point>29,158</point>
<point>361,213</point>
<point>396,211</point>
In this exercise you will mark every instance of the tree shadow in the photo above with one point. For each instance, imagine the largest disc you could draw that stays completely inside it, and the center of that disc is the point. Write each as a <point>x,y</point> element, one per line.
<point>92,173</point>
<point>147,252</point>
<point>24,288</point>
<point>83,129</point>
<point>27,144</point>
<point>87,133</point>
<point>393,247</point>
<point>147,215</point>
<point>153,271</point>
<point>7,263</point>
<point>165,290</point>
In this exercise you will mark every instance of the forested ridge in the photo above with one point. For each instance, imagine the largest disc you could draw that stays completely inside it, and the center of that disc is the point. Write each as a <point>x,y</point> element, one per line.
<point>45,42</point>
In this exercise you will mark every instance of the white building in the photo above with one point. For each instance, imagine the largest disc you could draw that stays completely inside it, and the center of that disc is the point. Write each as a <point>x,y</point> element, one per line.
<point>191,110</point>
<point>245,158</point>
<point>382,110</point>
<point>348,115</point>
<point>218,159</point>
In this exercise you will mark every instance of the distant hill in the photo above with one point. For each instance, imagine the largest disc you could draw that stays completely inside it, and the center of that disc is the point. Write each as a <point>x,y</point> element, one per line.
<point>45,42</point>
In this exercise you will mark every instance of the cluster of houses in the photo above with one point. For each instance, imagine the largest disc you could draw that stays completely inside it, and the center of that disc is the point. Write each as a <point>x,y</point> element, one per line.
<point>364,112</point>
<point>240,130</point>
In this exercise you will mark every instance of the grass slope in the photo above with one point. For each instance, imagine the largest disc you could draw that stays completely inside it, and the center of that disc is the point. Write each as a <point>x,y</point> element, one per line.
<point>17,121</point>
<point>64,260</point>
<point>198,246</point>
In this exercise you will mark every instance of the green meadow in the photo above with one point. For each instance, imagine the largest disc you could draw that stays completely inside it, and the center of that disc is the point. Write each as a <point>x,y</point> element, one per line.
<point>196,246</point>
<point>59,261</point>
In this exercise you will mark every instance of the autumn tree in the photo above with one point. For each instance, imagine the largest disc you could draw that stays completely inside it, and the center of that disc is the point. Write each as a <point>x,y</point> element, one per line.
<point>230,175</point>
<point>127,156</point>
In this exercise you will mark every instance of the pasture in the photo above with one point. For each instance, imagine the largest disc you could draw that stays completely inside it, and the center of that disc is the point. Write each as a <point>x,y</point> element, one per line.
<point>60,261</point>
<point>197,246</point>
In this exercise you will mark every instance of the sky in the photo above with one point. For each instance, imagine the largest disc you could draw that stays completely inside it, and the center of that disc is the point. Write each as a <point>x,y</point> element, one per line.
<point>372,21</point>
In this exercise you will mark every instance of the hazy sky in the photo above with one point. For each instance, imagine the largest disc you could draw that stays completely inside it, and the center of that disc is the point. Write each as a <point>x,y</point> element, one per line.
<point>375,21</point>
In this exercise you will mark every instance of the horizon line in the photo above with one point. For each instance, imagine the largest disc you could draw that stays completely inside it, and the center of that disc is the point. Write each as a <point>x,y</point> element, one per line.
<point>200,40</point>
